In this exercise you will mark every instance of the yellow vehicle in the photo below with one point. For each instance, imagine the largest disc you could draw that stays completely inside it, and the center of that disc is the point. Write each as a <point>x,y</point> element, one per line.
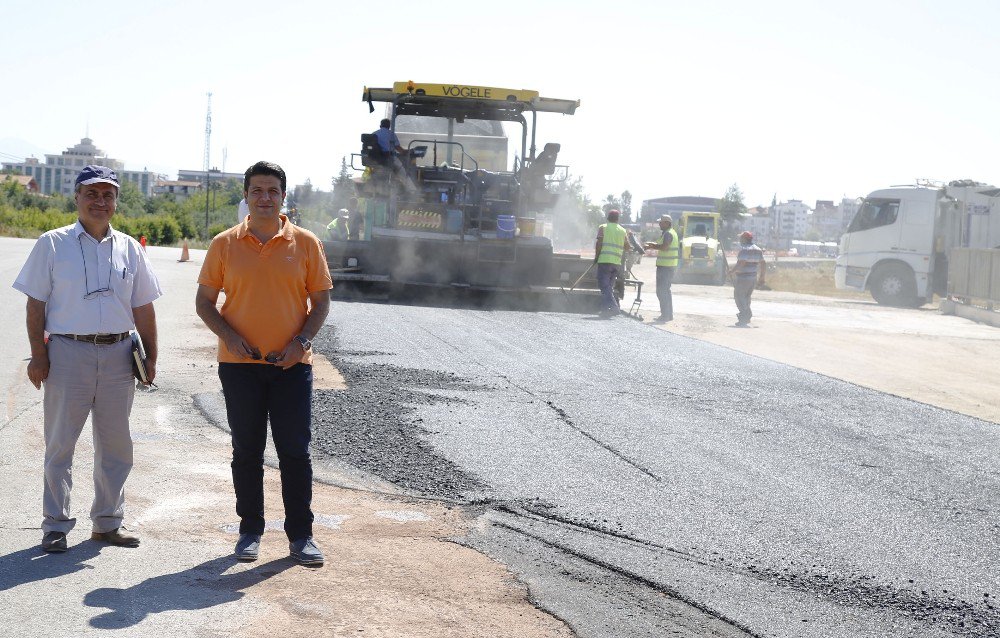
<point>449,211</point>
<point>702,259</point>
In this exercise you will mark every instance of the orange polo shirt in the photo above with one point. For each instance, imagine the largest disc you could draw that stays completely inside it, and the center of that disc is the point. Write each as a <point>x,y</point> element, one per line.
<point>267,286</point>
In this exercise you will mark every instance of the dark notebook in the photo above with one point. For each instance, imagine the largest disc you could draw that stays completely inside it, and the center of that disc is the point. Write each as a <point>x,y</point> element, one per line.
<point>139,360</point>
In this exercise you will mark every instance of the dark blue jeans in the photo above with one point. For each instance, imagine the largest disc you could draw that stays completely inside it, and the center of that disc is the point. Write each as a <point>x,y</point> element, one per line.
<point>607,274</point>
<point>255,393</point>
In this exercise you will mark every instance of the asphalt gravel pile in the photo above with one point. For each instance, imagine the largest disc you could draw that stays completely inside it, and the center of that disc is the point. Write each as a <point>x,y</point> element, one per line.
<point>372,424</point>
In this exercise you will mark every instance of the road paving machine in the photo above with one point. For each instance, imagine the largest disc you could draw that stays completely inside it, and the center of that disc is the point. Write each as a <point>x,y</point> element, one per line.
<point>448,211</point>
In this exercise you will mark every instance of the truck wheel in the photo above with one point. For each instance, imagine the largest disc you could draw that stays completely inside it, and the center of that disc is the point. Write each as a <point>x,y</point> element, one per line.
<point>895,285</point>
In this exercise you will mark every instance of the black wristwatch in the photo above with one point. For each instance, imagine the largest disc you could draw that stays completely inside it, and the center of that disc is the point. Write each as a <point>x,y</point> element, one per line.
<point>306,344</point>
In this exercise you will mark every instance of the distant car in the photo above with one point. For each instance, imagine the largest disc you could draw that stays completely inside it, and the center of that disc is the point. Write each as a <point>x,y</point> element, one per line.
<point>793,252</point>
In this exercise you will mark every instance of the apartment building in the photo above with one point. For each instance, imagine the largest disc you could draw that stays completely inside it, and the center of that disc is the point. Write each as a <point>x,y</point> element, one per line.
<point>57,174</point>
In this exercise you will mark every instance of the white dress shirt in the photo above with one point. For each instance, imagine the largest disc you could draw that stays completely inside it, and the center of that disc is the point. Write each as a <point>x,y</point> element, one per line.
<point>244,211</point>
<point>89,286</point>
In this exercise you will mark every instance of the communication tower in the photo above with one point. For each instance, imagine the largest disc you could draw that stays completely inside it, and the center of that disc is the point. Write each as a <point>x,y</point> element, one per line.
<point>208,135</point>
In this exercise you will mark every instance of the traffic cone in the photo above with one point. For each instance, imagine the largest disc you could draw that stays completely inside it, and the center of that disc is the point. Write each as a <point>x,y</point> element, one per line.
<point>142,241</point>
<point>184,252</point>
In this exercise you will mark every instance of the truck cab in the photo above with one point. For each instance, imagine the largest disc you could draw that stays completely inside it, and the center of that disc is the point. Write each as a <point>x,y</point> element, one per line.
<point>888,246</point>
<point>897,244</point>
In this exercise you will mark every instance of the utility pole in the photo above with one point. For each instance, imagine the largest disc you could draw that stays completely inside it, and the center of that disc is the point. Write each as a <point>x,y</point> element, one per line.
<point>225,151</point>
<point>208,149</point>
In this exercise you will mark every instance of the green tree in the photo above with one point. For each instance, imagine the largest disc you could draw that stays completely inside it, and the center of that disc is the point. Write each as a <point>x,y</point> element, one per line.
<point>160,218</point>
<point>622,203</point>
<point>611,202</point>
<point>233,191</point>
<point>221,200</point>
<point>11,191</point>
<point>343,187</point>
<point>731,208</point>
<point>303,193</point>
<point>131,201</point>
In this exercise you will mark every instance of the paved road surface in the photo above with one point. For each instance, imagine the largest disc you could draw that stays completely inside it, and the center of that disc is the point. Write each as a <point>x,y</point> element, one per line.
<point>12,348</point>
<point>785,502</point>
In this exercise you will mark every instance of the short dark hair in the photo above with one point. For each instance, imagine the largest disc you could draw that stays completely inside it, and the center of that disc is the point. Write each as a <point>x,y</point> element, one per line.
<point>385,123</point>
<point>265,168</point>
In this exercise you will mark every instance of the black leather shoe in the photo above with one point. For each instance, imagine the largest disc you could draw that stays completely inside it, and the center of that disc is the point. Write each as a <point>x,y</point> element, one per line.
<point>247,547</point>
<point>54,542</point>
<point>305,551</point>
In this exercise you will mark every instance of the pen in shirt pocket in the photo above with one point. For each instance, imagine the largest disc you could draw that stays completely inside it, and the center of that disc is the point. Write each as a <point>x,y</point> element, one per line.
<point>123,273</point>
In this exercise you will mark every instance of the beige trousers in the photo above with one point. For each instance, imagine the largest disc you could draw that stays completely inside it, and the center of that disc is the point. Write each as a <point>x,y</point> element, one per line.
<point>87,380</point>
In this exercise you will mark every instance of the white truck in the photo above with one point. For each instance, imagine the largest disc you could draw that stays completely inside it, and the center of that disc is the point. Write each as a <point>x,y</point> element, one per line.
<point>897,244</point>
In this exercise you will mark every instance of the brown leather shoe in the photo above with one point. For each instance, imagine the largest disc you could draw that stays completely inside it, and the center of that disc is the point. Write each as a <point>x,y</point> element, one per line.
<point>119,537</point>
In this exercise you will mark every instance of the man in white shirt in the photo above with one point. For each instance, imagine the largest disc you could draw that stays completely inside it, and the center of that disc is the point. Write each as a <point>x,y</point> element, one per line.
<point>243,212</point>
<point>747,273</point>
<point>88,286</point>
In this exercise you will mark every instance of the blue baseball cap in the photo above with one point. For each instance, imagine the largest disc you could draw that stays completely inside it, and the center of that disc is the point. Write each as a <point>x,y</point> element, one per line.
<point>94,174</point>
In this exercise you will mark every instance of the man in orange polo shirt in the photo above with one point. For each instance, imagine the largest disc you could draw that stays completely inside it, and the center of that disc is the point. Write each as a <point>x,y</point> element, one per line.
<point>277,288</point>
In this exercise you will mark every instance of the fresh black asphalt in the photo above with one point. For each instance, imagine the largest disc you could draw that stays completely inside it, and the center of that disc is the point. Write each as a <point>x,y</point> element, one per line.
<point>762,499</point>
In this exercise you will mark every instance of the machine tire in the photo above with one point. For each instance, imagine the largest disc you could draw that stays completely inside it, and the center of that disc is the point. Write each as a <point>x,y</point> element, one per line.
<point>895,285</point>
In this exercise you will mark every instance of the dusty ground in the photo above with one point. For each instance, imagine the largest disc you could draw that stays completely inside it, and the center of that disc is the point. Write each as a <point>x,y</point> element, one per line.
<point>920,354</point>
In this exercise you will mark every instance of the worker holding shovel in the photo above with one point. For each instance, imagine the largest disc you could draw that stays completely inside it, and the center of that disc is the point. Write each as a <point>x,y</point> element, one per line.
<point>609,251</point>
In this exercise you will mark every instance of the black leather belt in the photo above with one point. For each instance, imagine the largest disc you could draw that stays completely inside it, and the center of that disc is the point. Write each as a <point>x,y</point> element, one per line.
<point>99,340</point>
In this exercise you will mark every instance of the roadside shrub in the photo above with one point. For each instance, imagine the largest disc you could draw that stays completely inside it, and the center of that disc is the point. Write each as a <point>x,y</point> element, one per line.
<point>186,223</point>
<point>160,230</point>
<point>170,231</point>
<point>34,221</point>
<point>215,229</point>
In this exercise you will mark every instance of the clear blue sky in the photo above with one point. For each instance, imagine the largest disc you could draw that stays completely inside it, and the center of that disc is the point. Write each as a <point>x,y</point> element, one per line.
<point>805,99</point>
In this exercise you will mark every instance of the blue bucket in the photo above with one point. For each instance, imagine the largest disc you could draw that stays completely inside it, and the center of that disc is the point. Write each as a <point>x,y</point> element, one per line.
<point>506,225</point>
